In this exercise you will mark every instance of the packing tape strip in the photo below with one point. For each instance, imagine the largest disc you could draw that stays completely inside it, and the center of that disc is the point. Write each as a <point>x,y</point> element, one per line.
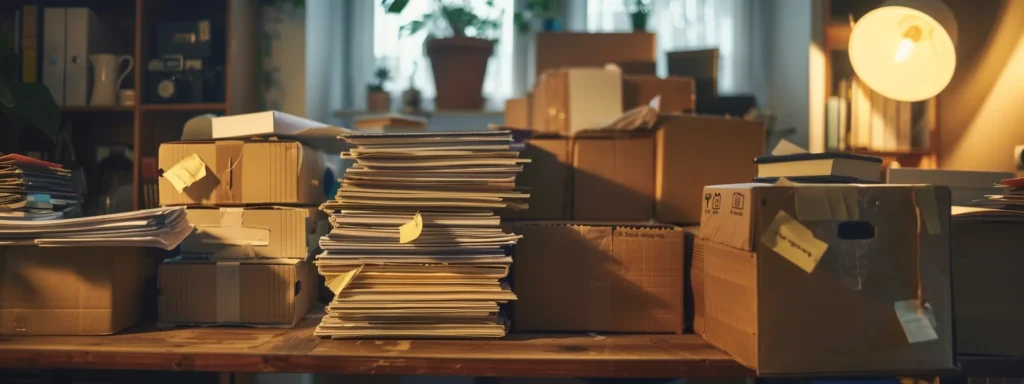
<point>228,292</point>
<point>231,217</point>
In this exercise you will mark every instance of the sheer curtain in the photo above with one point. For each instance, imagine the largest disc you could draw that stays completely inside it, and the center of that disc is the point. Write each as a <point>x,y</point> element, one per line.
<point>728,25</point>
<point>407,60</point>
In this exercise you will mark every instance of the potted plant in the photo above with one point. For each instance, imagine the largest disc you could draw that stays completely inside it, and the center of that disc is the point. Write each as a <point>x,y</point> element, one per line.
<point>543,11</point>
<point>459,42</point>
<point>377,99</point>
<point>24,105</point>
<point>639,10</point>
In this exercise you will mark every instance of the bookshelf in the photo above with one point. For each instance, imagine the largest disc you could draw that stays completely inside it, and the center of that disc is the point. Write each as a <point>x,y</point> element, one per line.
<point>145,125</point>
<point>839,16</point>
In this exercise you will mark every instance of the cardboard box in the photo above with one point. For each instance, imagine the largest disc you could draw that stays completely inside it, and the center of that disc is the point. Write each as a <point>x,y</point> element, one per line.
<point>774,309</point>
<point>267,292</point>
<point>965,186</point>
<point>253,232</point>
<point>570,100</point>
<point>598,278</point>
<point>517,113</point>
<point>694,257</point>
<point>987,270</point>
<point>564,49</point>
<point>245,172</point>
<point>613,178</point>
<point>547,176</point>
<point>71,291</point>
<point>694,151</point>
<point>677,92</point>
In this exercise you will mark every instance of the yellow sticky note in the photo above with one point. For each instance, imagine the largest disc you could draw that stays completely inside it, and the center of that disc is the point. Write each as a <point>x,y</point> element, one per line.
<point>411,230</point>
<point>917,320</point>
<point>187,171</point>
<point>925,196</point>
<point>338,283</point>
<point>795,242</point>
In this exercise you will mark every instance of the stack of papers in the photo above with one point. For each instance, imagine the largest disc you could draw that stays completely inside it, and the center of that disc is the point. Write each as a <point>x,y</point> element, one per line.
<point>159,227</point>
<point>1013,199</point>
<point>33,189</point>
<point>978,214</point>
<point>416,249</point>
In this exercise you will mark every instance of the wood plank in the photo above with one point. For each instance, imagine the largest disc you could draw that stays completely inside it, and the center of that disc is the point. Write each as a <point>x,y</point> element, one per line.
<point>297,350</point>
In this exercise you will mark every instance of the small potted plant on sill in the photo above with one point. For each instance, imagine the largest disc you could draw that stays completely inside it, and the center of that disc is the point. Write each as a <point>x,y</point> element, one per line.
<point>378,99</point>
<point>460,40</point>
<point>639,11</point>
<point>27,110</point>
<point>543,12</point>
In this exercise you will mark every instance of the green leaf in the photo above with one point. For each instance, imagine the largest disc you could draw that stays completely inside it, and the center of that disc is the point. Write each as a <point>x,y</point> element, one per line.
<point>34,104</point>
<point>394,6</point>
<point>5,96</point>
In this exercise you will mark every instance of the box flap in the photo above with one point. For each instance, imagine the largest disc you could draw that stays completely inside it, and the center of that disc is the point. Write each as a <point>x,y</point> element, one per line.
<point>250,232</point>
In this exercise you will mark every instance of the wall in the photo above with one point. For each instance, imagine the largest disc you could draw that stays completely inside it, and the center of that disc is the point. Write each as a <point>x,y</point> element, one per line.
<point>286,61</point>
<point>787,25</point>
<point>980,113</point>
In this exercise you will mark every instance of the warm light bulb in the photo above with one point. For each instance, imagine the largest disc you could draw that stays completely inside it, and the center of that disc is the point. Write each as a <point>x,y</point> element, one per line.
<point>903,50</point>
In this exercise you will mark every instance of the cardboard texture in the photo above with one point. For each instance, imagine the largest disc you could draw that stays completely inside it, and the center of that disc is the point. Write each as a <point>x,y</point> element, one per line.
<point>677,92</point>
<point>694,151</point>
<point>613,178</point>
<point>276,292</point>
<point>71,291</point>
<point>246,172</point>
<point>767,311</point>
<point>517,112</point>
<point>547,177</point>
<point>253,232</point>
<point>564,49</point>
<point>570,100</point>
<point>598,278</point>
<point>986,273</point>
<point>694,257</point>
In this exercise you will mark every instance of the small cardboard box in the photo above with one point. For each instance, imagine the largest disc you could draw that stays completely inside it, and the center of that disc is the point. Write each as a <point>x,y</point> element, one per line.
<point>694,258</point>
<point>253,232</point>
<point>986,274</point>
<point>677,92</point>
<point>566,49</point>
<point>694,151</point>
<point>613,178</point>
<point>71,291</point>
<point>266,292</point>
<point>517,113</point>
<point>547,176</point>
<point>825,279</point>
<point>245,172</point>
<point>567,101</point>
<point>598,278</point>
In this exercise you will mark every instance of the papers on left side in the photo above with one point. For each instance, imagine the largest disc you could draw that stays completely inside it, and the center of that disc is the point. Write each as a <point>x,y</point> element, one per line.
<point>158,227</point>
<point>32,189</point>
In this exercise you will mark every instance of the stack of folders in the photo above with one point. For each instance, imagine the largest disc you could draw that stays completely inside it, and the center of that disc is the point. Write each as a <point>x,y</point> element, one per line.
<point>1012,199</point>
<point>33,189</point>
<point>416,250</point>
<point>160,227</point>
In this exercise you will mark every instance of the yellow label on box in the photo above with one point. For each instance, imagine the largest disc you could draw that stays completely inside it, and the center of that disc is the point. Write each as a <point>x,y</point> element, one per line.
<point>187,171</point>
<point>411,230</point>
<point>795,242</point>
<point>918,321</point>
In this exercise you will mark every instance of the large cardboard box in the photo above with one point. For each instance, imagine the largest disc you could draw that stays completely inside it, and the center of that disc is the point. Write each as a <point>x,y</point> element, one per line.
<point>245,172</point>
<point>694,151</point>
<point>569,100</point>
<point>987,270</point>
<point>267,292</point>
<point>677,92</point>
<point>253,232</point>
<point>613,178</point>
<point>547,177</point>
<point>829,279</point>
<point>564,49</point>
<point>598,278</point>
<point>517,113</point>
<point>71,291</point>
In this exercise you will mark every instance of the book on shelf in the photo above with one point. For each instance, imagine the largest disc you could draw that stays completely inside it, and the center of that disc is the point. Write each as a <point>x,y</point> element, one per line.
<point>869,121</point>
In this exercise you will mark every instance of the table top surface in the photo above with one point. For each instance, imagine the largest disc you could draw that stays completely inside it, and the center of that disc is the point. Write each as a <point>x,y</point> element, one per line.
<point>225,349</point>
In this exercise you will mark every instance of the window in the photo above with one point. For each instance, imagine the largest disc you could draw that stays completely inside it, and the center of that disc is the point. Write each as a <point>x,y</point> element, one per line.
<point>407,60</point>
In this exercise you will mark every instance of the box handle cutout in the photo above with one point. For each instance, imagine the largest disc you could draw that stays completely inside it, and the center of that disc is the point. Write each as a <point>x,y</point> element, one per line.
<point>856,230</point>
<point>298,288</point>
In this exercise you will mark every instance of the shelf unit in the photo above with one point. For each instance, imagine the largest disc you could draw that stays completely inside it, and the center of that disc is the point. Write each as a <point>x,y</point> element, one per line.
<point>144,126</point>
<point>838,25</point>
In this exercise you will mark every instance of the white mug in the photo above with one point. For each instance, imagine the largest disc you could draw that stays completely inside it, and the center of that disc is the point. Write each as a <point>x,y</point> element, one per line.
<point>104,67</point>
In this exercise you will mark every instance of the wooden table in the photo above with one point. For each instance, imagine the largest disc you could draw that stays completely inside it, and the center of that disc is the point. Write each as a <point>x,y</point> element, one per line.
<point>223,349</point>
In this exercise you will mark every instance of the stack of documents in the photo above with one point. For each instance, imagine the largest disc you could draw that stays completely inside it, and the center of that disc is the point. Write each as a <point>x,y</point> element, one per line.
<point>33,189</point>
<point>159,227</point>
<point>1012,199</point>
<point>416,249</point>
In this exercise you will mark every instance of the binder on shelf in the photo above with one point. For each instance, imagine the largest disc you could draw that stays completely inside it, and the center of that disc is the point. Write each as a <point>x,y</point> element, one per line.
<point>85,35</point>
<point>54,45</point>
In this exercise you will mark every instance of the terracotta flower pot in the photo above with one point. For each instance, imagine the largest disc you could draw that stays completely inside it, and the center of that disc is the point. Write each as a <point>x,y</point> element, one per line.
<point>459,65</point>
<point>378,101</point>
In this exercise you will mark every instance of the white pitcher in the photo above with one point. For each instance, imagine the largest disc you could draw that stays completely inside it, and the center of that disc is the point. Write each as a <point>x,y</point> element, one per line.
<point>104,87</point>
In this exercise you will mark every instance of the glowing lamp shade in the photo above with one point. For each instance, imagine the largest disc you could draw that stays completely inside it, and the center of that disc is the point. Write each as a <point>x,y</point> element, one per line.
<point>905,49</point>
